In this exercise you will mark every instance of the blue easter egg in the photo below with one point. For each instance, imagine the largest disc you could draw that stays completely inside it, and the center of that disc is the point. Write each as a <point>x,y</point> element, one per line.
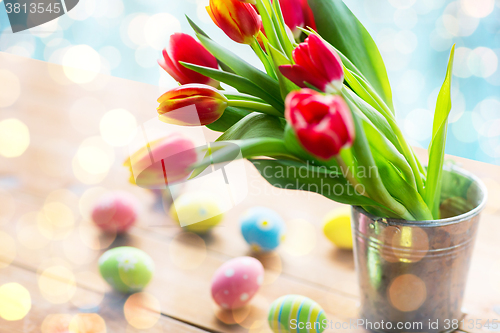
<point>263,229</point>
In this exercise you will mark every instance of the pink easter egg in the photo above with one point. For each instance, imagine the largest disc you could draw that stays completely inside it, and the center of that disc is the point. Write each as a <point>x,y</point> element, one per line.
<point>236,282</point>
<point>115,212</point>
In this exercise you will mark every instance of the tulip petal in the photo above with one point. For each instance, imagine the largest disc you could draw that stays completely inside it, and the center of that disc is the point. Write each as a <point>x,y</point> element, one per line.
<point>325,59</point>
<point>167,64</point>
<point>298,75</point>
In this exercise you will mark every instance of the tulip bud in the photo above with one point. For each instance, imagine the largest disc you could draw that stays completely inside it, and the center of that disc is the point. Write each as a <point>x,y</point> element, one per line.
<point>185,48</point>
<point>317,64</point>
<point>192,105</point>
<point>162,162</point>
<point>239,20</point>
<point>323,123</point>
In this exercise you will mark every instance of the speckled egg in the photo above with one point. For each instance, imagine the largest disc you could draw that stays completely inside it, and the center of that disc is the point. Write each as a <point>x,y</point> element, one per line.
<point>126,269</point>
<point>263,229</point>
<point>199,212</point>
<point>115,212</point>
<point>295,313</point>
<point>236,282</point>
<point>337,227</point>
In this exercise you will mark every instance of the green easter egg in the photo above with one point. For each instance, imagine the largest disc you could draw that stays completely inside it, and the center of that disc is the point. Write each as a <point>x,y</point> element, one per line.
<point>199,212</point>
<point>127,269</point>
<point>295,313</point>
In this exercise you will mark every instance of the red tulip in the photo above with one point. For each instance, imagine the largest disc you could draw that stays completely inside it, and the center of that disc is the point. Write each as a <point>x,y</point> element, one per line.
<point>239,20</point>
<point>318,64</point>
<point>192,105</point>
<point>323,123</point>
<point>185,48</point>
<point>162,162</point>
<point>308,15</point>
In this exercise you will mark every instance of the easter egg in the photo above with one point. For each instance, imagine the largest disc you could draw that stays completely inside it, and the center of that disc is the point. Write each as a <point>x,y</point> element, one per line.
<point>295,313</point>
<point>197,212</point>
<point>236,282</point>
<point>263,229</point>
<point>126,269</point>
<point>337,227</point>
<point>115,212</point>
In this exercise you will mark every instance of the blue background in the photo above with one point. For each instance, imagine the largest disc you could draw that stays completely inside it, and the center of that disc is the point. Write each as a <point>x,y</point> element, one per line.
<point>124,38</point>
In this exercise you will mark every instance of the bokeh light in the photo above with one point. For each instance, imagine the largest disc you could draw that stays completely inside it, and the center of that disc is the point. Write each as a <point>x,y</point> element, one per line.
<point>14,137</point>
<point>142,310</point>
<point>15,301</point>
<point>87,323</point>
<point>158,29</point>
<point>57,284</point>
<point>118,127</point>
<point>478,8</point>
<point>56,323</point>
<point>81,63</point>
<point>56,220</point>
<point>93,160</point>
<point>407,292</point>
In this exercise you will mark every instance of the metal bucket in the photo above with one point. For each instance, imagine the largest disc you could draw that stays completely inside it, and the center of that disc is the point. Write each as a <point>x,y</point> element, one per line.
<point>412,274</point>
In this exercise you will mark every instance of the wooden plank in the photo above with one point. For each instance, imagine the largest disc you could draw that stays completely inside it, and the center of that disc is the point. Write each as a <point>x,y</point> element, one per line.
<point>47,317</point>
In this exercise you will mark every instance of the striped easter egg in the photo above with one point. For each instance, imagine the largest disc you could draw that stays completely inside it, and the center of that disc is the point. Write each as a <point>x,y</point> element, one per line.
<point>296,314</point>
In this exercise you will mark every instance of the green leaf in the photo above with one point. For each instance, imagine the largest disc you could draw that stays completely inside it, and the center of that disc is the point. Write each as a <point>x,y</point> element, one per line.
<point>373,183</point>
<point>230,117</point>
<point>380,122</point>
<point>279,22</point>
<point>244,69</point>
<point>399,188</point>
<point>255,125</point>
<point>228,151</point>
<point>338,25</point>
<point>438,142</point>
<point>265,11</point>
<point>240,83</point>
<point>293,175</point>
<point>198,30</point>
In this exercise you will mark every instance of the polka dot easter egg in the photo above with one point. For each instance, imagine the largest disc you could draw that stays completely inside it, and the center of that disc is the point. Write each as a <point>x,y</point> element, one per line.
<point>126,269</point>
<point>115,212</point>
<point>197,212</point>
<point>263,229</point>
<point>337,227</point>
<point>236,282</point>
<point>295,313</point>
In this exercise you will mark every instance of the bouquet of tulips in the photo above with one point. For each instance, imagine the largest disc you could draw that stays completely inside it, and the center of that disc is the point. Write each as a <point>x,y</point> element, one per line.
<point>320,118</point>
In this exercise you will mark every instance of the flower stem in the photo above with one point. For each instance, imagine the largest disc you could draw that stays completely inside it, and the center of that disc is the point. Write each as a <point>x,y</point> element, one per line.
<point>255,106</point>
<point>346,170</point>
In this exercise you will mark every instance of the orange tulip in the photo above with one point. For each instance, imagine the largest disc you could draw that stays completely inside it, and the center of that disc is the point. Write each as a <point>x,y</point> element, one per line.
<point>239,20</point>
<point>192,105</point>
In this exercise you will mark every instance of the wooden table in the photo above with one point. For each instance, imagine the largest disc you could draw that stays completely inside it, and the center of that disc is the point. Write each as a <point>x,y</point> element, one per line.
<point>65,256</point>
